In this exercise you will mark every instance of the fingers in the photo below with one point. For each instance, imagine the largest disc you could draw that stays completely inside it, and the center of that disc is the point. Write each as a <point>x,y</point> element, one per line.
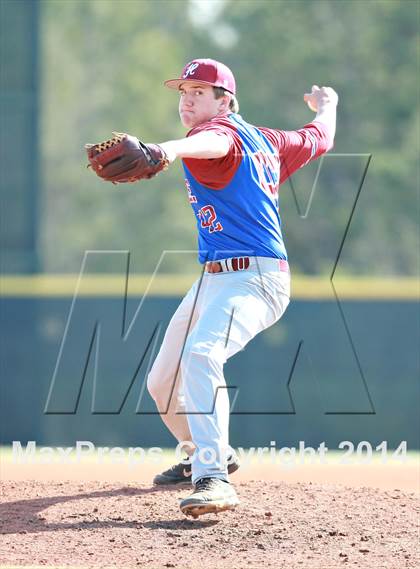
<point>330,94</point>
<point>320,96</point>
<point>314,89</point>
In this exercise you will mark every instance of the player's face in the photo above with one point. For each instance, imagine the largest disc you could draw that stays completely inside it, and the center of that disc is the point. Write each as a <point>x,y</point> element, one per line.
<point>197,104</point>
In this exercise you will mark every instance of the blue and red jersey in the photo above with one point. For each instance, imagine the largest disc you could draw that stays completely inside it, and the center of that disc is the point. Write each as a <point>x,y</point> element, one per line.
<point>235,198</point>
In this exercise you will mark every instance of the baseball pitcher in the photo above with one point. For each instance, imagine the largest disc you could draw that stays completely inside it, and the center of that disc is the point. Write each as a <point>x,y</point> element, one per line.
<point>233,171</point>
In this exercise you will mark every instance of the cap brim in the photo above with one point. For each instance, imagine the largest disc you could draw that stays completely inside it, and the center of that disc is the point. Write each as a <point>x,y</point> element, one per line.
<point>176,83</point>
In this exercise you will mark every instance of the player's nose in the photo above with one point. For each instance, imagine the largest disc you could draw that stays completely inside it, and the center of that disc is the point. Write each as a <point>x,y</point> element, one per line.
<point>188,100</point>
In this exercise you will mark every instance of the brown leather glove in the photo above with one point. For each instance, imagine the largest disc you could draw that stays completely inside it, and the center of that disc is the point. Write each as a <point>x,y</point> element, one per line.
<point>124,158</point>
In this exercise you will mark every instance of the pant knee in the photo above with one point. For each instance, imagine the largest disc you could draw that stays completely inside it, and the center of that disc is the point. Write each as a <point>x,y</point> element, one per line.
<point>153,385</point>
<point>201,359</point>
<point>159,383</point>
<point>162,388</point>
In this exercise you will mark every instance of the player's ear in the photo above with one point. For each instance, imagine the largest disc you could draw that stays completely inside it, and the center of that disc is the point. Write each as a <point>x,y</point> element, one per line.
<point>224,103</point>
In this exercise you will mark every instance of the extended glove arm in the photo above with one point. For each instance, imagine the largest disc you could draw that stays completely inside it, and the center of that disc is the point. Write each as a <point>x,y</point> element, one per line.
<point>204,145</point>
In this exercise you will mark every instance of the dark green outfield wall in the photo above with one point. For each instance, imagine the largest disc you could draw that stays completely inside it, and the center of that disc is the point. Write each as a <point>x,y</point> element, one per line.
<point>303,379</point>
<point>19,119</point>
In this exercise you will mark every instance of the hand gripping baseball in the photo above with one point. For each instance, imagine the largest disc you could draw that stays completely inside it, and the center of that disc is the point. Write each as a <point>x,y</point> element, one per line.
<point>124,158</point>
<point>319,97</point>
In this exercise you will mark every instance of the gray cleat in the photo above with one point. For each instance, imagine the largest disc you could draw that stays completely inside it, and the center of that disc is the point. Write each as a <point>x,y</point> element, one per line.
<point>181,473</point>
<point>211,495</point>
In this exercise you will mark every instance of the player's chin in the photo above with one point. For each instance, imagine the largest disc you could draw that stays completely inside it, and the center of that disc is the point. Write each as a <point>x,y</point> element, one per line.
<point>187,119</point>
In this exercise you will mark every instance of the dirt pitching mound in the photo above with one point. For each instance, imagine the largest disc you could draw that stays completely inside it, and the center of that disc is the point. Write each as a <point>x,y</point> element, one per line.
<point>308,526</point>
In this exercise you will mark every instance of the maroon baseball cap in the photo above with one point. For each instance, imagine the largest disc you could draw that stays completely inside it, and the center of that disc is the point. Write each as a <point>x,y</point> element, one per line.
<point>206,71</point>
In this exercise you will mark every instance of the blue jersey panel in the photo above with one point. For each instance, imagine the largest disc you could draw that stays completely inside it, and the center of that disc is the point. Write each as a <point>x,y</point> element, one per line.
<point>242,218</point>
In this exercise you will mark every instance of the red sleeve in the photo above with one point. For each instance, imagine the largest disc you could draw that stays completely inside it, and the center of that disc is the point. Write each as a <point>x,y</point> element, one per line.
<point>298,147</point>
<point>216,173</point>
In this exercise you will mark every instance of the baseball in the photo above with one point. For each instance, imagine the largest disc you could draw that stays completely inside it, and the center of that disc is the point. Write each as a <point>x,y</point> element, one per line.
<point>312,106</point>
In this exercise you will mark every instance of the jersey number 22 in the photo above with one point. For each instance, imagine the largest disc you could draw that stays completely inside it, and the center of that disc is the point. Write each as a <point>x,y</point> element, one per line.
<point>208,219</point>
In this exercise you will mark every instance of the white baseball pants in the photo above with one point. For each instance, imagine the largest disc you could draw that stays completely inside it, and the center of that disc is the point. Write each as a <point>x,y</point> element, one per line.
<point>219,315</point>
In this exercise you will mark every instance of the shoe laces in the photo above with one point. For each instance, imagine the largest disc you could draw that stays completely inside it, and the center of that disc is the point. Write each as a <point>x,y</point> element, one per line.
<point>204,484</point>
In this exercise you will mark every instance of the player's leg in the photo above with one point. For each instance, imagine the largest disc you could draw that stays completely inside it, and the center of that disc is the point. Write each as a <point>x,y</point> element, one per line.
<point>233,308</point>
<point>164,384</point>
<point>163,381</point>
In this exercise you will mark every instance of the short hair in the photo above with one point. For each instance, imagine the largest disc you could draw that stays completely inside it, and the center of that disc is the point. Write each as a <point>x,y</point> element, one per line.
<point>219,92</point>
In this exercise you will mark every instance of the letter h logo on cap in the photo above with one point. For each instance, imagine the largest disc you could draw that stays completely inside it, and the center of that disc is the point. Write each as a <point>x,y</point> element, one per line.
<point>190,70</point>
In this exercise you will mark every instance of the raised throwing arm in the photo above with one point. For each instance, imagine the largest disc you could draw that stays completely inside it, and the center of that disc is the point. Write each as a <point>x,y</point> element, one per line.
<point>323,101</point>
